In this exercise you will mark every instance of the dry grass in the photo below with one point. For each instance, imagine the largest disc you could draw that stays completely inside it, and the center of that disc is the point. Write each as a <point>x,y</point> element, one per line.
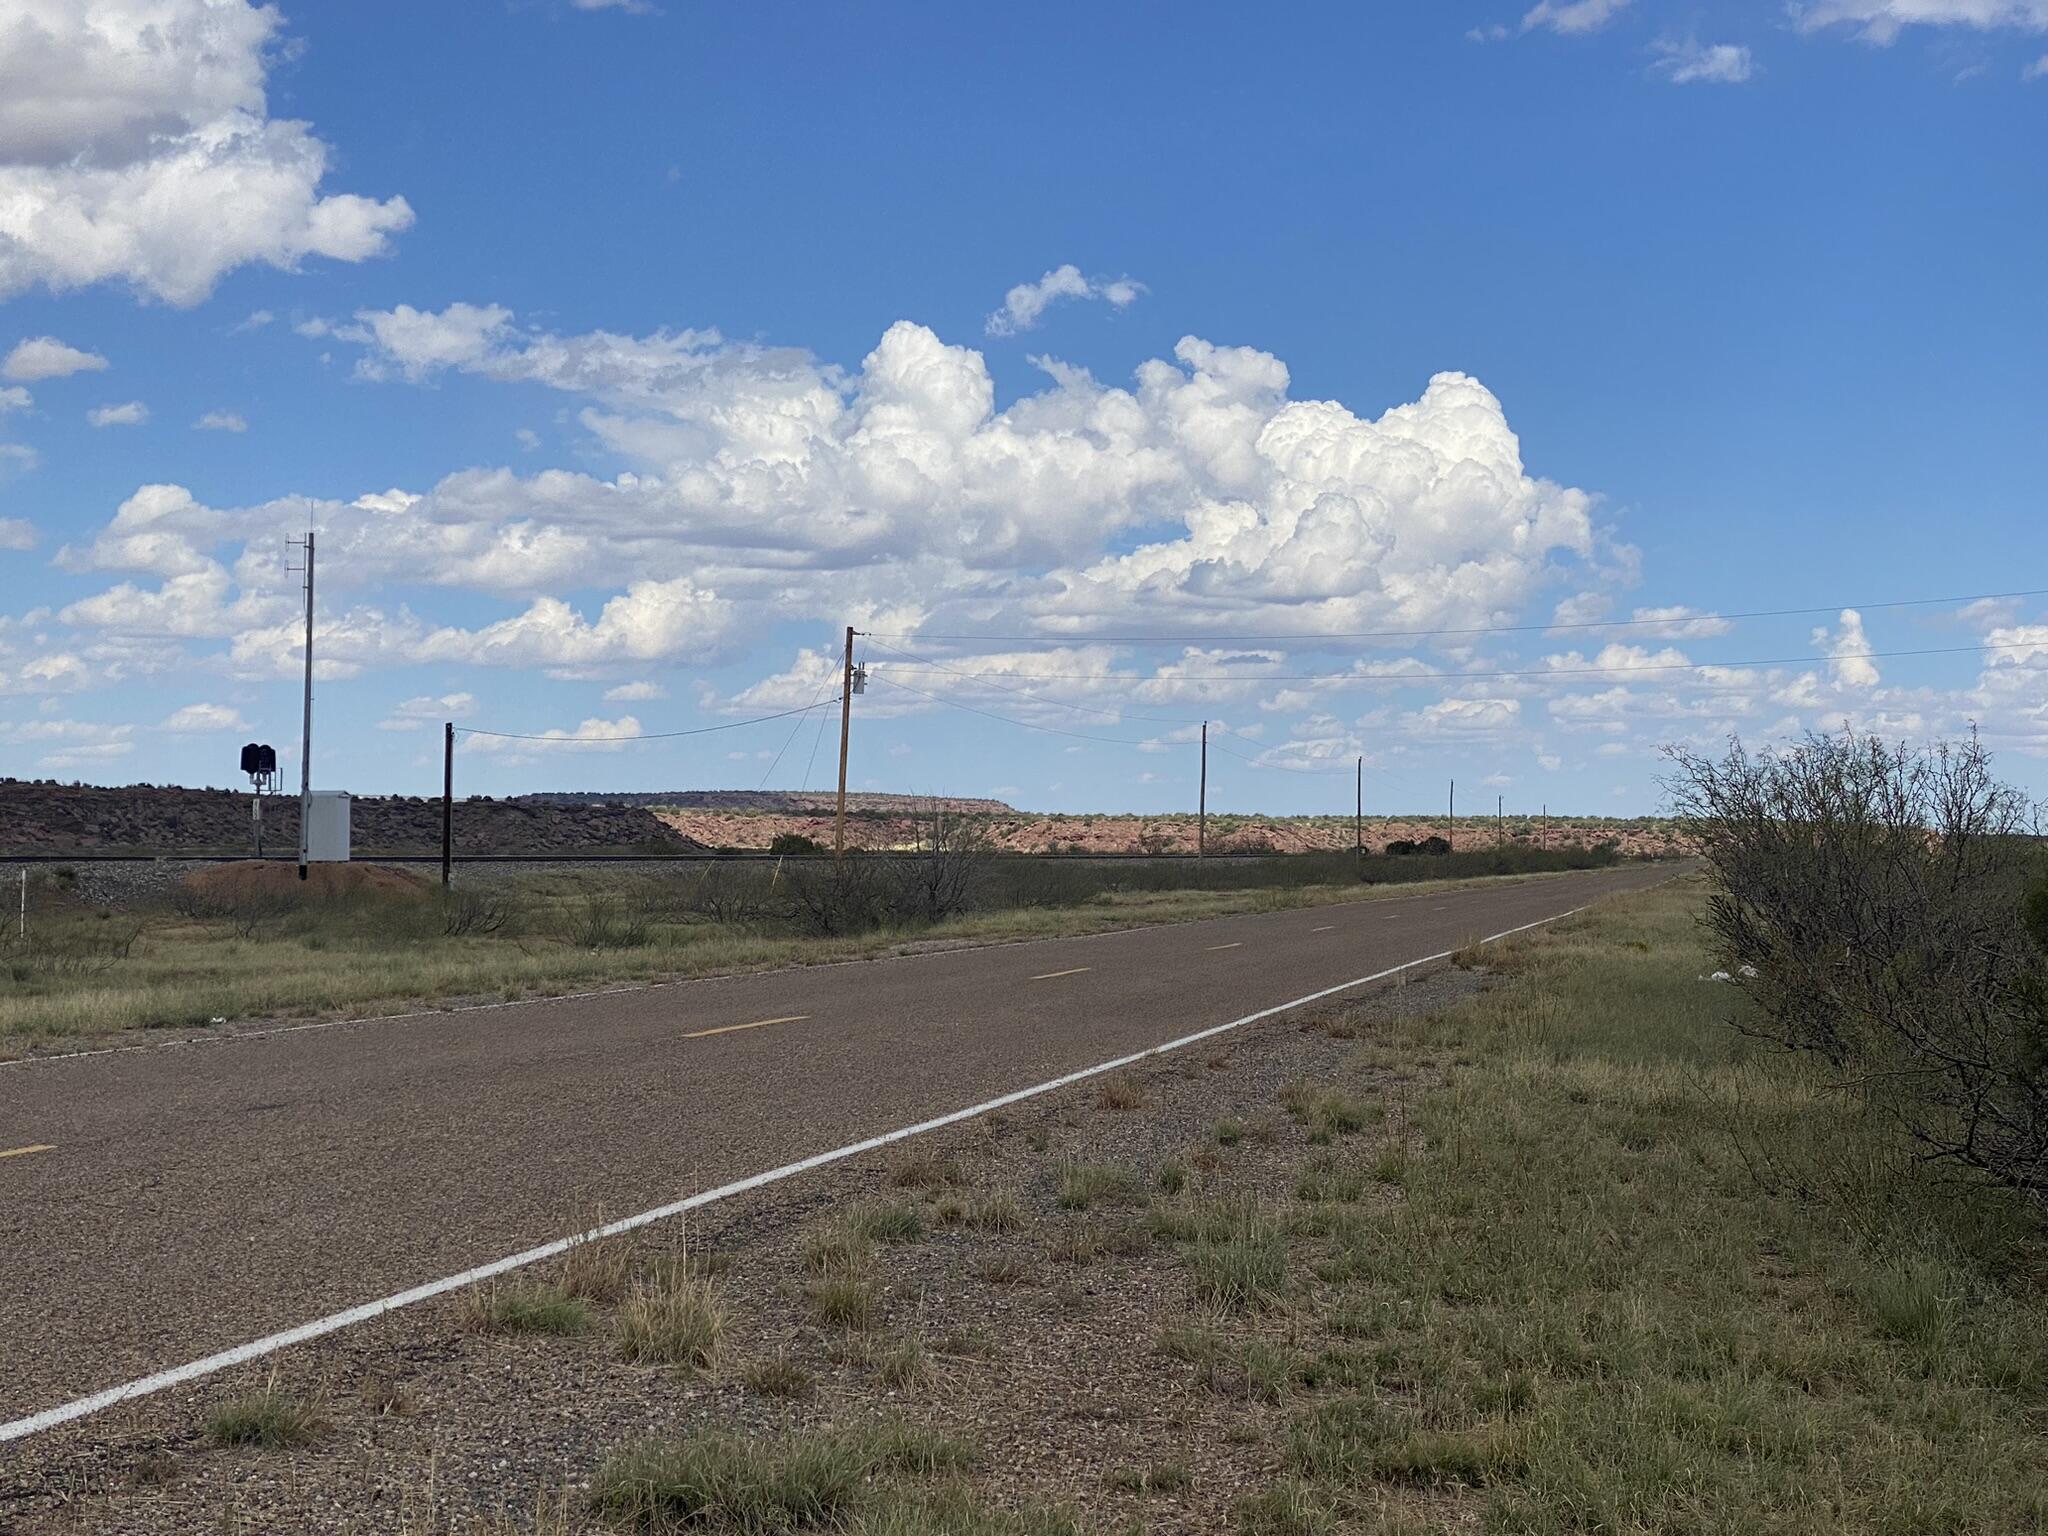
<point>845,1301</point>
<point>271,1418</point>
<point>1119,1090</point>
<point>522,1306</point>
<point>672,1316</point>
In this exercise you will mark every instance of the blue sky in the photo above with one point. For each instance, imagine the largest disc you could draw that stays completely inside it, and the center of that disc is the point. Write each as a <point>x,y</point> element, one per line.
<point>622,354</point>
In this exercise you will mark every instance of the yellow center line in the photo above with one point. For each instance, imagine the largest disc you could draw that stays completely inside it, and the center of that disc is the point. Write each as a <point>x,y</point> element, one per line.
<point>24,1151</point>
<point>726,1029</point>
<point>1056,975</point>
<point>1239,944</point>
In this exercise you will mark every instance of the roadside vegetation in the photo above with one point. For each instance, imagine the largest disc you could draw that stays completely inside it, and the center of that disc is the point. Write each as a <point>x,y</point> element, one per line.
<point>1508,1251</point>
<point>248,942</point>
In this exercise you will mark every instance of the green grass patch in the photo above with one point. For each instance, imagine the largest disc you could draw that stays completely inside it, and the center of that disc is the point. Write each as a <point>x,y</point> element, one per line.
<point>839,1480</point>
<point>523,1306</point>
<point>1083,1184</point>
<point>1575,1307</point>
<point>270,1419</point>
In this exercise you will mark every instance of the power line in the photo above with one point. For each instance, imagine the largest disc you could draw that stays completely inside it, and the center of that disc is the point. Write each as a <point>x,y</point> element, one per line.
<point>1025,693</point>
<point>823,683</point>
<point>702,730</point>
<point>1477,629</point>
<point>1053,730</point>
<point>1397,678</point>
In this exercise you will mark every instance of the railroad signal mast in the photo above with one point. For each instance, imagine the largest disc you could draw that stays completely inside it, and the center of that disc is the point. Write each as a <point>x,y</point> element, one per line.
<point>260,763</point>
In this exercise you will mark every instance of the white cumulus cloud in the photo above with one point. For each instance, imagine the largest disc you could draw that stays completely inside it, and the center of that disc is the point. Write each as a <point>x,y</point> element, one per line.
<point>1572,16</point>
<point>131,413</point>
<point>1693,62</point>
<point>136,146</point>
<point>1881,21</point>
<point>195,718</point>
<point>221,421</point>
<point>45,357</point>
<point>1025,305</point>
<point>17,533</point>
<point>592,735</point>
<point>413,714</point>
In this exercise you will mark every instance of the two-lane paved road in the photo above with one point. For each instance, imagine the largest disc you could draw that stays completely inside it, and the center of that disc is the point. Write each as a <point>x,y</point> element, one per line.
<point>166,1203</point>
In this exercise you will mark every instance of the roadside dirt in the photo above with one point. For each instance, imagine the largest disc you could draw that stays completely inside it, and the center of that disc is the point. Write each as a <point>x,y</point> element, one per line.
<point>1040,1343</point>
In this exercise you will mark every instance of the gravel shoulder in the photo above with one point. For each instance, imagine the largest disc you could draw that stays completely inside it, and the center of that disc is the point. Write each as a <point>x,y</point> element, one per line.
<point>1037,1339</point>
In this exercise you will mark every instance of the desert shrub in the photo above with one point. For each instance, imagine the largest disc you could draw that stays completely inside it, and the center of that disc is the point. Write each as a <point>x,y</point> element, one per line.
<point>830,900</point>
<point>466,910</point>
<point>731,893</point>
<point>604,921</point>
<point>942,874</point>
<point>1872,902</point>
<point>794,843</point>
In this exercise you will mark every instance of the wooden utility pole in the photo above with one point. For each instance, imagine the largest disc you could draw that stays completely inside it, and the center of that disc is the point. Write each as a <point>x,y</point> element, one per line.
<point>1202,804</point>
<point>1500,823</point>
<point>845,729</point>
<point>1546,824</point>
<point>1451,837</point>
<point>1358,816</point>
<point>447,804</point>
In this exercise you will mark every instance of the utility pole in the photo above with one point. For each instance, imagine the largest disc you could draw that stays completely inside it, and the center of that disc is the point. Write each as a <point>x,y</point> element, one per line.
<point>1500,823</point>
<point>1546,824</point>
<point>1202,804</point>
<point>306,732</point>
<point>1452,836</point>
<point>845,730</point>
<point>447,804</point>
<point>1358,816</point>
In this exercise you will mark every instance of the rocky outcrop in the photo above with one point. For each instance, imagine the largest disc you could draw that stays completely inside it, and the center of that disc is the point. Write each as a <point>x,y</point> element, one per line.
<point>45,817</point>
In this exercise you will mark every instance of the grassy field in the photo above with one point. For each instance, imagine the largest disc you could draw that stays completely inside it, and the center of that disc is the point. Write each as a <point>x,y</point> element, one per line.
<point>85,972</point>
<point>1582,1311</point>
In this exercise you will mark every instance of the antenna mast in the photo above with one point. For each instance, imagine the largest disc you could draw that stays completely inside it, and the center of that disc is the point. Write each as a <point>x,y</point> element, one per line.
<point>306,731</point>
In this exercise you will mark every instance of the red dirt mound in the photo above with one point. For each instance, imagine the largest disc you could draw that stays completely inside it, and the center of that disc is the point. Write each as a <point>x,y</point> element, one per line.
<point>230,882</point>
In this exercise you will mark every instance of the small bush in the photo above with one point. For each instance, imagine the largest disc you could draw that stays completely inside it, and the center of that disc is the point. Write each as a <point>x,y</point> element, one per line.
<point>779,1376</point>
<point>271,1418</point>
<point>604,922</point>
<point>1120,1090</point>
<point>836,1250</point>
<point>895,1221</point>
<point>522,1307</point>
<point>671,1316</point>
<point>1082,1184</point>
<point>843,1301</point>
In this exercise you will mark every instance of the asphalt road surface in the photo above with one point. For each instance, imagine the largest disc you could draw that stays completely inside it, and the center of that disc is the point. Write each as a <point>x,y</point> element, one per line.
<point>158,1205</point>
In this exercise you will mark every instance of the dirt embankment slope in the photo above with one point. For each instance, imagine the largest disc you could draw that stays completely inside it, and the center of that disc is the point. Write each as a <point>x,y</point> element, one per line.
<point>76,818</point>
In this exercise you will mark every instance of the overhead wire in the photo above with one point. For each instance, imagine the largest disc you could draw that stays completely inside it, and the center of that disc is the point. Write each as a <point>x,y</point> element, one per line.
<point>1477,629</point>
<point>702,730</point>
<point>823,683</point>
<point>1398,678</point>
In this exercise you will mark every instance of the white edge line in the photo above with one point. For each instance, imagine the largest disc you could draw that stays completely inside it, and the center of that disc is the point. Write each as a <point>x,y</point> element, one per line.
<point>256,1349</point>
